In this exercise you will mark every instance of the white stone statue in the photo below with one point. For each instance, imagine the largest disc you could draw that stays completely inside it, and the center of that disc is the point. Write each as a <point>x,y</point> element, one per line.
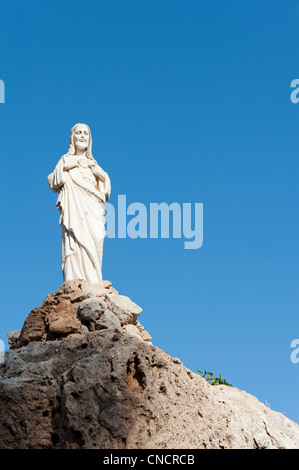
<point>83,189</point>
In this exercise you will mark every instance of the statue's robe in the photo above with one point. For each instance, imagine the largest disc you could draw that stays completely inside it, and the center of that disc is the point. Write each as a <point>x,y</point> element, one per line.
<point>81,202</point>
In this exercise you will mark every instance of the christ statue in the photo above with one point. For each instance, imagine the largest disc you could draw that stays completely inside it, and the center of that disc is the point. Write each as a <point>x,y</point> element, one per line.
<point>83,188</point>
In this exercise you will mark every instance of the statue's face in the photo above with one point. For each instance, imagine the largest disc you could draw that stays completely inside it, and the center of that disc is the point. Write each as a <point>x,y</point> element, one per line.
<point>81,137</point>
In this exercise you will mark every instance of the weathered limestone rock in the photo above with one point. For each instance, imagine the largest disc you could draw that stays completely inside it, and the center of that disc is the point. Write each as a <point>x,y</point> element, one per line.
<point>146,336</point>
<point>110,390</point>
<point>139,326</point>
<point>133,330</point>
<point>108,320</point>
<point>91,309</point>
<point>82,373</point>
<point>13,337</point>
<point>123,307</point>
<point>63,320</point>
<point>76,307</point>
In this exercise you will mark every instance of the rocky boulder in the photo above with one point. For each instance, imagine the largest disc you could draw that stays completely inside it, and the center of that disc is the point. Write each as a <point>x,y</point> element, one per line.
<point>80,375</point>
<point>76,307</point>
<point>107,389</point>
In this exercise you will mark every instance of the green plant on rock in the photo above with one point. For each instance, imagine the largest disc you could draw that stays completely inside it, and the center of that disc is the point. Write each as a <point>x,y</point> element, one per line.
<point>212,380</point>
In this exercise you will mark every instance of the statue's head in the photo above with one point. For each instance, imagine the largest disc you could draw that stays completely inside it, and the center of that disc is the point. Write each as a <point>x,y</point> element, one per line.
<point>80,138</point>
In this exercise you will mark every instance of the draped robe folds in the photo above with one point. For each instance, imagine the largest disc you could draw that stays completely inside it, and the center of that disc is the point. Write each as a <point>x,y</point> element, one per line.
<point>81,202</point>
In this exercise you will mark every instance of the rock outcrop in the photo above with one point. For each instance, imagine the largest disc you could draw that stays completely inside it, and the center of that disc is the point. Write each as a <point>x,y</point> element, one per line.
<point>77,307</point>
<point>93,382</point>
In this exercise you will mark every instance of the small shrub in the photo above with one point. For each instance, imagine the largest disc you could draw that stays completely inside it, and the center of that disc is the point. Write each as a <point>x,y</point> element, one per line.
<point>212,380</point>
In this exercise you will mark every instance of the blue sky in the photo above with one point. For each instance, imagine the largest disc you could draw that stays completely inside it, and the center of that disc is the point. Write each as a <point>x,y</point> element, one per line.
<point>187,102</point>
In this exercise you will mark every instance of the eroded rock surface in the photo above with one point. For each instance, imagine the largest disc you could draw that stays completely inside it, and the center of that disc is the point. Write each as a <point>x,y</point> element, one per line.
<point>76,307</point>
<point>107,389</point>
<point>80,375</point>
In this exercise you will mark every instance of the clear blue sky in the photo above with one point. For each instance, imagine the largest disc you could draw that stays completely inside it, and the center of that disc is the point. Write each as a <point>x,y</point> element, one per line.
<point>187,102</point>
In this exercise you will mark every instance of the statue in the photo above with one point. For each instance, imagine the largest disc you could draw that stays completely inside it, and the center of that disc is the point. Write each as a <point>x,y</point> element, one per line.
<point>83,188</point>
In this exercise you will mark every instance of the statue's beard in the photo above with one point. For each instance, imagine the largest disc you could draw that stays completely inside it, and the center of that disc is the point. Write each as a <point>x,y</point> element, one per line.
<point>82,146</point>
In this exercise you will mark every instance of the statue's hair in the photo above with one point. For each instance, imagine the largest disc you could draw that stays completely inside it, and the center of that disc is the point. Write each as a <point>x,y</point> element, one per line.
<point>72,141</point>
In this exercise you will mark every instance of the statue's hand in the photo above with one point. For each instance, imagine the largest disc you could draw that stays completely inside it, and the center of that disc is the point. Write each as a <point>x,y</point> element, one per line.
<point>98,172</point>
<point>70,162</point>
